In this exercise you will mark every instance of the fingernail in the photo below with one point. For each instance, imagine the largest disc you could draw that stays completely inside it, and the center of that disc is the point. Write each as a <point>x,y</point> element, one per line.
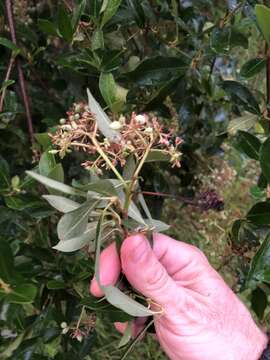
<point>139,249</point>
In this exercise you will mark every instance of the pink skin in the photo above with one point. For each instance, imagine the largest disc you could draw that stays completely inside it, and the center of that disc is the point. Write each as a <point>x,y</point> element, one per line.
<point>203,319</point>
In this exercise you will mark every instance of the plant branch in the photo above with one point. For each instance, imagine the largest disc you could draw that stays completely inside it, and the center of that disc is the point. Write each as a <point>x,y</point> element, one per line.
<point>24,94</point>
<point>267,79</point>
<point>8,72</point>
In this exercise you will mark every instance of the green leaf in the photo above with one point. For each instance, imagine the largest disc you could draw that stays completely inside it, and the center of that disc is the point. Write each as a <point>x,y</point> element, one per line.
<point>252,67</point>
<point>64,23</point>
<point>157,70</point>
<point>46,163</point>
<point>47,27</point>
<point>126,336</point>
<point>220,40</point>
<point>56,284</point>
<point>6,84</point>
<point>22,294</point>
<point>57,173</point>
<point>74,223</point>
<point>61,203</point>
<point>97,40</point>
<point>110,10</point>
<point>265,159</point>
<point>10,45</point>
<point>263,19</point>
<point>158,225</point>
<point>107,87</point>
<point>44,140</point>
<point>103,187</point>
<point>76,243</point>
<point>102,119</point>
<point>113,295</point>
<point>259,302</point>
<point>260,265</point>
<point>4,174</point>
<point>138,12</point>
<point>259,214</point>
<point>257,192</point>
<point>56,185</point>
<point>248,144</point>
<point>157,155</point>
<point>244,123</point>
<point>241,95</point>
<point>77,13</point>
<point>6,262</point>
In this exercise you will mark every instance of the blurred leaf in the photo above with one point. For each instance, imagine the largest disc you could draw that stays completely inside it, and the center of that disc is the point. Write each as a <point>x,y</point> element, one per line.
<point>47,27</point>
<point>56,185</point>
<point>259,214</point>
<point>104,187</point>
<point>159,226</point>
<point>9,44</point>
<point>4,175</point>
<point>57,173</point>
<point>74,223</point>
<point>260,268</point>
<point>138,12</point>
<point>22,294</point>
<point>257,192</point>
<point>97,41</point>
<point>56,284</point>
<point>263,19</point>
<point>110,10</point>
<point>126,336</point>
<point>248,144</point>
<point>6,262</point>
<point>64,23</point>
<point>259,302</point>
<point>252,67</point>
<point>46,163</point>
<point>157,155</point>
<point>244,123</point>
<point>77,13</point>
<point>265,159</point>
<point>61,203</point>
<point>107,87</point>
<point>44,140</point>
<point>241,95</point>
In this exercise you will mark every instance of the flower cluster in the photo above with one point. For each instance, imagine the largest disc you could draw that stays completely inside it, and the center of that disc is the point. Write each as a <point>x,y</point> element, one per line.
<point>136,135</point>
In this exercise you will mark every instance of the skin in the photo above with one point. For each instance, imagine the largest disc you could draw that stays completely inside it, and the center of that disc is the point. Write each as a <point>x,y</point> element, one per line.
<point>202,319</point>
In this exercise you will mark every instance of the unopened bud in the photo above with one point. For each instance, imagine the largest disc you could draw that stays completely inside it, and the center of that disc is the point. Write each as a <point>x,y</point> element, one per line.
<point>62,121</point>
<point>116,125</point>
<point>140,119</point>
<point>77,116</point>
<point>148,130</point>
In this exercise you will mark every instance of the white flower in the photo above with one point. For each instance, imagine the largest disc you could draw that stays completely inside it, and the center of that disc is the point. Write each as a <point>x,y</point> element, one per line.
<point>148,130</point>
<point>63,325</point>
<point>140,119</point>
<point>116,125</point>
<point>62,121</point>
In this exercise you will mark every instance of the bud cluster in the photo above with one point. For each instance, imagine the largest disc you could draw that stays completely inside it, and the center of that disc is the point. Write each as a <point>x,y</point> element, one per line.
<point>135,135</point>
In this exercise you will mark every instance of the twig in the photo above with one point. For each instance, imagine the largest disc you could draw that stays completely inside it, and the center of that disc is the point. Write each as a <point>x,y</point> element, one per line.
<point>267,79</point>
<point>25,97</point>
<point>10,66</point>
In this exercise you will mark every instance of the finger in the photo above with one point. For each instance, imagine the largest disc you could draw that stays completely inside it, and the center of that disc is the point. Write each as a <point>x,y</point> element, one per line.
<point>137,326</point>
<point>109,271</point>
<point>185,263</point>
<point>146,274</point>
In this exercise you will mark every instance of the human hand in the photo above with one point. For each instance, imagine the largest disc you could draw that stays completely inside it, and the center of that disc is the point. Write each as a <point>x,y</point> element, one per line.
<point>203,319</point>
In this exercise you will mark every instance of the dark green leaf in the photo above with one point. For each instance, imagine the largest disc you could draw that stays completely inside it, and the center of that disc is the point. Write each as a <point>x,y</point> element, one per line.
<point>47,27</point>
<point>6,262</point>
<point>77,13</point>
<point>56,284</point>
<point>252,67</point>
<point>4,174</point>
<point>9,44</point>
<point>22,294</point>
<point>265,159</point>
<point>259,302</point>
<point>248,144</point>
<point>64,23</point>
<point>110,10</point>
<point>138,12</point>
<point>241,96</point>
<point>46,163</point>
<point>260,213</point>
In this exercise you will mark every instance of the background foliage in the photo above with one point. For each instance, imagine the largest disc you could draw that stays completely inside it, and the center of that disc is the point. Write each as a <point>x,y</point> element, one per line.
<point>202,67</point>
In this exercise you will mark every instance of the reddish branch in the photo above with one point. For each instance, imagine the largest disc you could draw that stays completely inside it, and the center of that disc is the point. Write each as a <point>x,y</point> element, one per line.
<point>25,97</point>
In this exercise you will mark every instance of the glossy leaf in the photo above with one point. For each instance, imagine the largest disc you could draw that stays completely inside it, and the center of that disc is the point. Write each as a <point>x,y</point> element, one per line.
<point>241,95</point>
<point>259,214</point>
<point>110,10</point>
<point>248,144</point>
<point>260,267</point>
<point>22,294</point>
<point>263,19</point>
<point>265,159</point>
<point>252,67</point>
<point>243,123</point>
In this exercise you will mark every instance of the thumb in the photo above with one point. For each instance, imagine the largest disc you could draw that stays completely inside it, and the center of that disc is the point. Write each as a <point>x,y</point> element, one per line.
<point>146,274</point>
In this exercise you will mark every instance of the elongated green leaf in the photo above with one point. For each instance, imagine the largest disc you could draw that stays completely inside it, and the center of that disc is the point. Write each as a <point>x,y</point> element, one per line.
<point>260,265</point>
<point>77,13</point>
<point>56,185</point>
<point>241,95</point>
<point>74,223</point>
<point>102,119</point>
<point>252,67</point>
<point>103,187</point>
<point>259,214</point>
<point>61,203</point>
<point>78,242</point>
<point>157,155</point>
<point>244,123</point>
<point>263,19</point>
<point>9,44</point>
<point>47,27</point>
<point>158,225</point>
<point>6,262</point>
<point>265,159</point>
<point>107,87</point>
<point>113,295</point>
<point>110,10</point>
<point>22,294</point>
<point>64,23</point>
<point>4,174</point>
<point>57,173</point>
<point>46,163</point>
<point>249,144</point>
